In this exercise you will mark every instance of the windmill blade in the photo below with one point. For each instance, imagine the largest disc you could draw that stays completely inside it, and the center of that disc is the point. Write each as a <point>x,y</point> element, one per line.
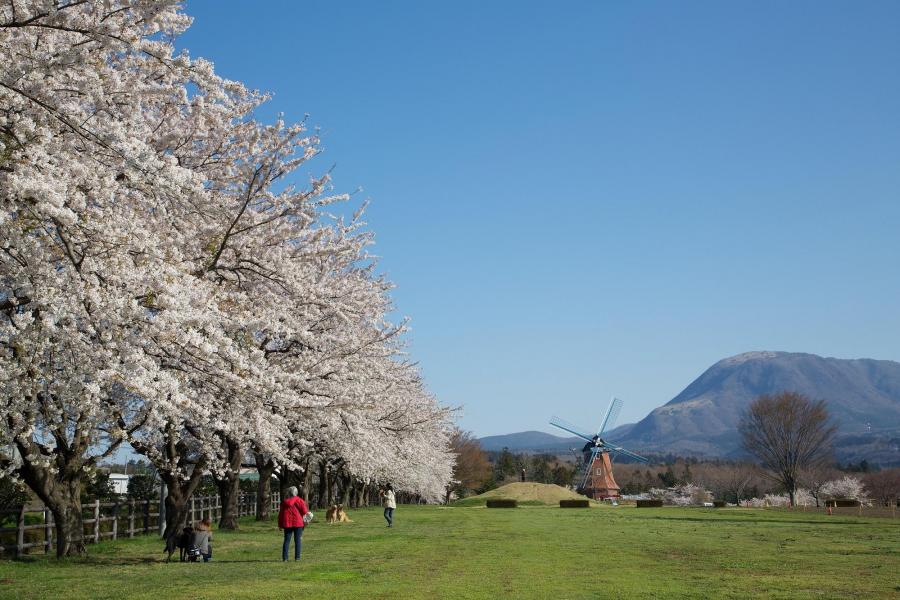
<point>620,450</point>
<point>566,426</point>
<point>612,413</point>
<point>587,467</point>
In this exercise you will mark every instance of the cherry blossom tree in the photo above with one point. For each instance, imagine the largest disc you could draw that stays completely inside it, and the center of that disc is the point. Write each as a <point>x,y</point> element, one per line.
<point>162,285</point>
<point>74,169</point>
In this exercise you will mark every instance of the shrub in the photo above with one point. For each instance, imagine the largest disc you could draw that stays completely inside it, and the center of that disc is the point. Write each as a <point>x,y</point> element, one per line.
<point>501,503</point>
<point>718,504</point>
<point>575,503</point>
<point>649,503</point>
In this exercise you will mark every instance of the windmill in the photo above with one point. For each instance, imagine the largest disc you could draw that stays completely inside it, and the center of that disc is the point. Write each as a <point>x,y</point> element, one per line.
<point>597,480</point>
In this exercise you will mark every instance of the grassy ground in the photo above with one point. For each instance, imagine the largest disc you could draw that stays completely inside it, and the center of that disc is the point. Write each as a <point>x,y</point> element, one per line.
<point>529,552</point>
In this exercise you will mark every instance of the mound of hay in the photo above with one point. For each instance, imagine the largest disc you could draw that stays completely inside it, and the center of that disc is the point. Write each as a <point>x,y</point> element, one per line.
<point>525,494</point>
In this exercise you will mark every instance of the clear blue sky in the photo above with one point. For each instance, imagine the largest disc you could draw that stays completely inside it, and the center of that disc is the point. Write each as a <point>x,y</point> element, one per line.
<point>581,199</point>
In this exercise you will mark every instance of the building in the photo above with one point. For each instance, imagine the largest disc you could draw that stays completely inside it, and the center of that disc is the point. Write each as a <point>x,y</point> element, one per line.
<point>119,482</point>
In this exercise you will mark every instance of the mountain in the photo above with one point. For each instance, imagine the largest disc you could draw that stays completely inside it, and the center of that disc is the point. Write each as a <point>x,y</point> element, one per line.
<point>538,441</point>
<point>862,395</point>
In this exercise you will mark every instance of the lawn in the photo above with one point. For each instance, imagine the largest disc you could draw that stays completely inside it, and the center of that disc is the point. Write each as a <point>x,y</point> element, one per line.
<point>529,552</point>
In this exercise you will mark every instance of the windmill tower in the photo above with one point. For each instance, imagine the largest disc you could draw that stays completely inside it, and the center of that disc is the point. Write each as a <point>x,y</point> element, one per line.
<point>597,479</point>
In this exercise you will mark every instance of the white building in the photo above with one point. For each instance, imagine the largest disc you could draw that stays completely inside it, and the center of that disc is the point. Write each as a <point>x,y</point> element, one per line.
<point>119,482</point>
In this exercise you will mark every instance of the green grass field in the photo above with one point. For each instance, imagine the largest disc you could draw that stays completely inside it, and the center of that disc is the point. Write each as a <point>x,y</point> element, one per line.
<point>529,552</point>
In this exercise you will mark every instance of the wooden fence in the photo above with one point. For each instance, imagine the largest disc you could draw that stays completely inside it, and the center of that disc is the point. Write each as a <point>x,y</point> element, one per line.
<point>34,525</point>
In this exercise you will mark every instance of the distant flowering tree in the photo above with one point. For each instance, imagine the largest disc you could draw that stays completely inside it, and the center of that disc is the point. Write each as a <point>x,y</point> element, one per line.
<point>682,495</point>
<point>847,487</point>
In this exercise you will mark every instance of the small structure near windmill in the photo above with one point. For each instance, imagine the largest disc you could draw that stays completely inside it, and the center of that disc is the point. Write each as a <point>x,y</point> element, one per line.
<point>597,479</point>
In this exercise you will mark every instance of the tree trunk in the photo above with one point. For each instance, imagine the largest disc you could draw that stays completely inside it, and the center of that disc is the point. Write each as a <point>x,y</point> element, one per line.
<point>178,493</point>
<point>172,460</point>
<point>284,480</point>
<point>59,488</point>
<point>307,481</point>
<point>69,528</point>
<point>265,467</point>
<point>230,485</point>
<point>347,484</point>
<point>176,512</point>
<point>322,501</point>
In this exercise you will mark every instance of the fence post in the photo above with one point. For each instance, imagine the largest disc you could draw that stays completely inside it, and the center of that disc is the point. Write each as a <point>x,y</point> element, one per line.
<point>131,518</point>
<point>20,533</point>
<point>96,520</point>
<point>115,527</point>
<point>147,516</point>
<point>48,531</point>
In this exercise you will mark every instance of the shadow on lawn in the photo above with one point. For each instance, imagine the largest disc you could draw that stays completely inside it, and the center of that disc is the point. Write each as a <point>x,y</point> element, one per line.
<point>104,561</point>
<point>745,520</point>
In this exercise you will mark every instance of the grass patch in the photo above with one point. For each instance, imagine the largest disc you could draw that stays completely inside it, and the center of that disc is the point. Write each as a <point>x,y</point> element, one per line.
<point>534,552</point>
<point>525,493</point>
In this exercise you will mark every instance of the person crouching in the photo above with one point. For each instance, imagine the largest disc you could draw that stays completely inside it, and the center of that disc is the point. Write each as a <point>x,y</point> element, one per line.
<point>203,539</point>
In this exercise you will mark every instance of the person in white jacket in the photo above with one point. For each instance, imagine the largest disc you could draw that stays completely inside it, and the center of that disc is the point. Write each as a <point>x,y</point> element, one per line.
<point>390,503</point>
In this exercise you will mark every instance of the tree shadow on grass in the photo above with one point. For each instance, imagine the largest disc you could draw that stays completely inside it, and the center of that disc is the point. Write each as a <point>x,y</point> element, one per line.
<point>108,561</point>
<point>746,520</point>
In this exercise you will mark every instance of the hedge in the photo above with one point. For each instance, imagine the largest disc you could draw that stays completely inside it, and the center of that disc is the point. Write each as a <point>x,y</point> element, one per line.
<point>501,503</point>
<point>649,503</point>
<point>842,503</point>
<point>575,503</point>
<point>718,503</point>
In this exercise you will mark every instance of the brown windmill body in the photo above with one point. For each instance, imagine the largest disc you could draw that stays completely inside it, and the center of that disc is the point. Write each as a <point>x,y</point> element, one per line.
<point>599,483</point>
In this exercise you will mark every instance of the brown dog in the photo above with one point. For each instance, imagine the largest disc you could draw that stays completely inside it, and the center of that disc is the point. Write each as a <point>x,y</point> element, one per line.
<point>336,514</point>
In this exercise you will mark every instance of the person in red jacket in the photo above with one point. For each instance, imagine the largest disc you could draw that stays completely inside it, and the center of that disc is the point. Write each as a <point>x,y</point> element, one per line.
<point>290,519</point>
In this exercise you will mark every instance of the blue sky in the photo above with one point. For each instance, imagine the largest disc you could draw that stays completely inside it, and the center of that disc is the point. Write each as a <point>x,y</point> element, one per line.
<point>581,199</point>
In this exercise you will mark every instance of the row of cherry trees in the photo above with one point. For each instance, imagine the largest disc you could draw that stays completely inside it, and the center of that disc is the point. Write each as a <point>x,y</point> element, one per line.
<point>163,285</point>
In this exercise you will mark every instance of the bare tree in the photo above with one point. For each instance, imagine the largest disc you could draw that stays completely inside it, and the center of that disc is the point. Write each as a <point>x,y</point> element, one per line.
<point>788,433</point>
<point>883,486</point>
<point>730,482</point>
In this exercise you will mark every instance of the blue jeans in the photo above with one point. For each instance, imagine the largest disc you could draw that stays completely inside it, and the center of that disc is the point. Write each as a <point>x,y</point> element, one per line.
<point>389,515</point>
<point>297,532</point>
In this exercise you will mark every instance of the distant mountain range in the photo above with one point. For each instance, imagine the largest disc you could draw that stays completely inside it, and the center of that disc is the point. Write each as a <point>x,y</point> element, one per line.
<point>863,396</point>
